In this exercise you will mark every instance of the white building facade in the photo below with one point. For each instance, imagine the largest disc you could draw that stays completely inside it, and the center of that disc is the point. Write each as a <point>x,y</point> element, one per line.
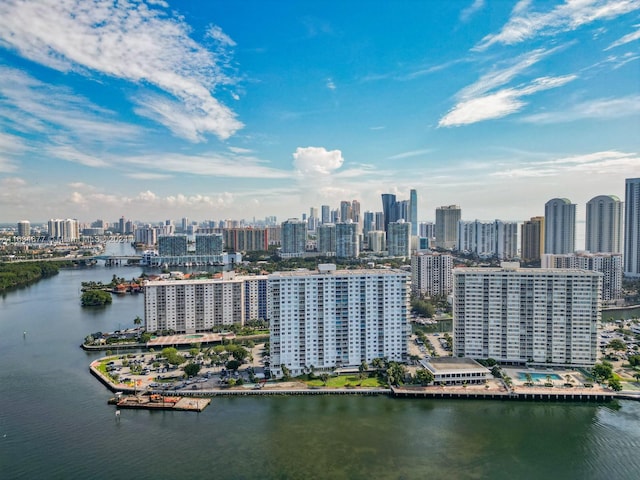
<point>527,316</point>
<point>329,318</point>
<point>191,306</point>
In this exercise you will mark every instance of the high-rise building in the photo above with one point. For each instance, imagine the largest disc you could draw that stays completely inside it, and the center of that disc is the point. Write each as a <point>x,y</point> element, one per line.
<point>184,224</point>
<point>431,274</point>
<point>24,229</point>
<point>609,264</point>
<point>247,239</point>
<point>427,230</point>
<point>632,228</point>
<point>326,213</point>
<point>377,241</point>
<point>337,318</point>
<point>532,239</point>
<point>345,211</point>
<point>413,211</point>
<point>294,238</point>
<point>326,236</point>
<point>347,244</point>
<point>388,209</point>
<point>146,235</point>
<point>172,245</point>
<point>369,223</point>
<point>447,218</point>
<point>527,316</point>
<point>191,306</point>
<point>559,226</point>
<point>210,244</point>
<point>63,230</point>
<point>399,239</point>
<point>604,224</point>
<point>506,240</point>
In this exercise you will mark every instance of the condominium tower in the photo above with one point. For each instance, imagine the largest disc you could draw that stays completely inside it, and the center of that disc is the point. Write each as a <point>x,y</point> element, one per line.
<point>447,218</point>
<point>604,224</point>
<point>560,226</point>
<point>532,239</point>
<point>431,274</point>
<point>337,318</point>
<point>527,316</point>
<point>632,228</point>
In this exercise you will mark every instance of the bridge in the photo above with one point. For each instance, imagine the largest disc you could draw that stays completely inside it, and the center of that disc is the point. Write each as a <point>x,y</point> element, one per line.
<point>111,260</point>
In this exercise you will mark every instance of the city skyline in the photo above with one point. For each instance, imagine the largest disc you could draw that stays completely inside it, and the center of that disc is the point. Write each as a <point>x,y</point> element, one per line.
<point>167,109</point>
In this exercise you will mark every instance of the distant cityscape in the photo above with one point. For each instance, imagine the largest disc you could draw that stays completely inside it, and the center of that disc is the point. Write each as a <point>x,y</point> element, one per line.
<point>546,314</point>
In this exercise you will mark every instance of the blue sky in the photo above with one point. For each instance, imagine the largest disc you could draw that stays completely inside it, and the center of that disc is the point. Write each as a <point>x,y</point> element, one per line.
<point>242,109</point>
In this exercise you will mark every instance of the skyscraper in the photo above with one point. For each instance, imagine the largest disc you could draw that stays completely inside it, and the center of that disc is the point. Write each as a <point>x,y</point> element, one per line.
<point>632,228</point>
<point>388,209</point>
<point>399,239</point>
<point>604,224</point>
<point>447,218</point>
<point>327,239</point>
<point>413,211</point>
<point>347,245</point>
<point>172,245</point>
<point>24,228</point>
<point>294,238</point>
<point>559,226</point>
<point>431,273</point>
<point>532,239</point>
<point>326,213</point>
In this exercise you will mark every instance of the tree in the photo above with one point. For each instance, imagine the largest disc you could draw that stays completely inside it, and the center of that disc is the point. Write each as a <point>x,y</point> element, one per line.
<point>233,365</point>
<point>617,345</point>
<point>95,298</point>
<point>529,378</point>
<point>192,369</point>
<point>602,371</point>
<point>362,369</point>
<point>137,320</point>
<point>325,378</point>
<point>637,377</point>
<point>240,353</point>
<point>615,385</point>
<point>286,373</point>
<point>424,377</point>
<point>172,356</point>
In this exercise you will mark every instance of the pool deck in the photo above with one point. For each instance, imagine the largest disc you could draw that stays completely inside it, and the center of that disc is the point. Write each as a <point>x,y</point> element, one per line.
<point>189,339</point>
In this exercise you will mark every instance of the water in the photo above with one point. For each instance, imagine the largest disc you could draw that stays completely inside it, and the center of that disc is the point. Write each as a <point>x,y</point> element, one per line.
<point>537,376</point>
<point>55,423</point>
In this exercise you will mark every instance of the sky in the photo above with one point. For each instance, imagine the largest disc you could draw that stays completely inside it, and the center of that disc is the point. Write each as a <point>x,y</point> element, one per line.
<point>215,109</point>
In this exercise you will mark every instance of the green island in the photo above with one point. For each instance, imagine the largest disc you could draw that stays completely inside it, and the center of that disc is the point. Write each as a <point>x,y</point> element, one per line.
<point>95,298</point>
<point>13,275</point>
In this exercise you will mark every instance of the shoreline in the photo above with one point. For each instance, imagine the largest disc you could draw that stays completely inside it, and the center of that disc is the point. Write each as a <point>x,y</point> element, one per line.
<point>495,391</point>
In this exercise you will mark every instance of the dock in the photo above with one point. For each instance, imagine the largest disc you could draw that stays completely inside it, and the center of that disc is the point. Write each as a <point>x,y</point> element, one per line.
<point>160,402</point>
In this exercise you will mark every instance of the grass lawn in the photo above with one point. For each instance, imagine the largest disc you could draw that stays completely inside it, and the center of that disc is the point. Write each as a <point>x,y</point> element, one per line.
<point>343,381</point>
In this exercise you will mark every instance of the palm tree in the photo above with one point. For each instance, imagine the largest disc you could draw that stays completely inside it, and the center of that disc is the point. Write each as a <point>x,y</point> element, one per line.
<point>529,379</point>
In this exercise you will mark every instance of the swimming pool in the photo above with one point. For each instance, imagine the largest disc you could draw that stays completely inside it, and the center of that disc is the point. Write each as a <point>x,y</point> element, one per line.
<point>542,376</point>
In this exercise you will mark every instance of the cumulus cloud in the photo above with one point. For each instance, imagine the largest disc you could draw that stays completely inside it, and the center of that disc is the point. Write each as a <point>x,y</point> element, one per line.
<point>130,40</point>
<point>570,15</point>
<point>316,160</point>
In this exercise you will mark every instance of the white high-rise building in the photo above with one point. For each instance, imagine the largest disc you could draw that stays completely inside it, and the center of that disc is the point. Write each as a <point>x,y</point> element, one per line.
<point>337,318</point>
<point>64,230</point>
<point>527,316</point>
<point>399,239</point>
<point>609,264</point>
<point>191,306</point>
<point>377,241</point>
<point>431,274</point>
<point>559,226</point>
<point>632,228</point>
<point>488,239</point>
<point>604,224</point>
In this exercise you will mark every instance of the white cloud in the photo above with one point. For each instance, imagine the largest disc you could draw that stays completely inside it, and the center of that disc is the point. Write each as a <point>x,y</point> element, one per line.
<point>10,146</point>
<point>316,160</point>
<point>130,40</point>
<point>148,176</point>
<point>216,33</point>
<point>71,154</point>
<point>630,37</point>
<point>498,104</point>
<point>572,14</point>
<point>471,10</point>
<point>413,153</point>
<point>600,108</point>
<point>330,84</point>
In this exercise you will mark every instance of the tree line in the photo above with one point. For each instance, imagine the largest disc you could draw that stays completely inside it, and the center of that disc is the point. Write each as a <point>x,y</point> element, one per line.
<point>14,275</point>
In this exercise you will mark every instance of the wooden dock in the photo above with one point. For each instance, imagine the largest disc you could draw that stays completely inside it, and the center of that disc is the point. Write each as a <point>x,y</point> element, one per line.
<point>160,402</point>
